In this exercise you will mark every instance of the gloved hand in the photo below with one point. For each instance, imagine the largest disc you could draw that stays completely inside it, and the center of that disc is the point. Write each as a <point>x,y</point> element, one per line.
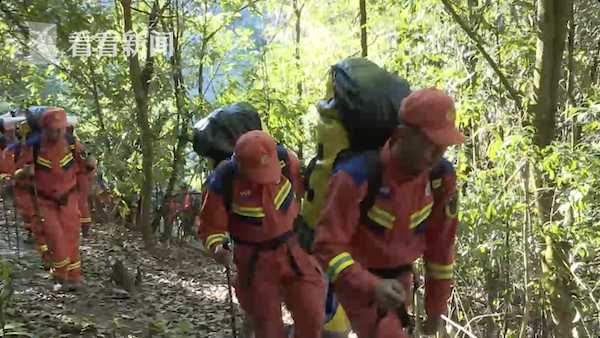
<point>431,325</point>
<point>389,294</point>
<point>223,255</point>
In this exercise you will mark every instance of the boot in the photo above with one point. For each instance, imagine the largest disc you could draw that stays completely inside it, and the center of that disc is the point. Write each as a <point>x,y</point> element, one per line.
<point>28,238</point>
<point>85,230</point>
<point>70,286</point>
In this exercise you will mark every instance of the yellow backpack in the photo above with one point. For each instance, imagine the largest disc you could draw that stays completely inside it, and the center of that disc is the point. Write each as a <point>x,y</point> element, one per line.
<point>359,113</point>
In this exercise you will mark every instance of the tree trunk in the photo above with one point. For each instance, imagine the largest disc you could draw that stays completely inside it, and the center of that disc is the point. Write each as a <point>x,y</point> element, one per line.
<point>140,81</point>
<point>594,70</point>
<point>553,16</point>
<point>98,108</point>
<point>363,27</point>
<point>575,128</point>
<point>183,118</point>
<point>298,14</point>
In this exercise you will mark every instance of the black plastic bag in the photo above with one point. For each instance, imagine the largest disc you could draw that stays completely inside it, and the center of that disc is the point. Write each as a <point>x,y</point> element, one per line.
<point>367,99</point>
<point>215,135</point>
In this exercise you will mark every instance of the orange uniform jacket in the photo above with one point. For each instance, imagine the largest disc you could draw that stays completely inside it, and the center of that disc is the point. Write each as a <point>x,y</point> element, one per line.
<point>412,216</point>
<point>56,167</point>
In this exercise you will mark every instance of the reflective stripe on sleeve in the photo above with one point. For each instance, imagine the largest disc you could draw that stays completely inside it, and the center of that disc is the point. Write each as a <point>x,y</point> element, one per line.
<point>338,264</point>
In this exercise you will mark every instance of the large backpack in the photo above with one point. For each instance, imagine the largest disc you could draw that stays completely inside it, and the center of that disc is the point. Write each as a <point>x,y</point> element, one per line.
<point>215,135</point>
<point>359,114</point>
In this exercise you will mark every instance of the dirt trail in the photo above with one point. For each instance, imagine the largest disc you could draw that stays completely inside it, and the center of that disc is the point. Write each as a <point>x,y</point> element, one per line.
<point>183,294</point>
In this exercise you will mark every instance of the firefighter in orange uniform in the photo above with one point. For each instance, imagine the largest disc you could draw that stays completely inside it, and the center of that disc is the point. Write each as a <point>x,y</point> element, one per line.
<point>52,162</point>
<point>386,209</point>
<point>253,198</point>
<point>85,176</point>
<point>22,186</point>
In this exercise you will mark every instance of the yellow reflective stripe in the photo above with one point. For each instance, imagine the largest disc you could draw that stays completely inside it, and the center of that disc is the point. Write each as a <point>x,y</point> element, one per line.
<point>440,267</point>
<point>440,271</point>
<point>382,217</point>
<point>419,216</point>
<point>74,266</point>
<point>214,239</point>
<point>436,183</point>
<point>448,212</point>
<point>85,220</point>
<point>43,248</point>
<point>338,264</point>
<point>65,160</point>
<point>62,263</point>
<point>383,214</point>
<point>44,162</point>
<point>72,147</point>
<point>282,194</point>
<point>441,275</point>
<point>257,212</point>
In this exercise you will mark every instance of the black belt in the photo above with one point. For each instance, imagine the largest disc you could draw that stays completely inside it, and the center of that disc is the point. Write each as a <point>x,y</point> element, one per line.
<point>60,200</point>
<point>394,273</point>
<point>27,187</point>
<point>268,245</point>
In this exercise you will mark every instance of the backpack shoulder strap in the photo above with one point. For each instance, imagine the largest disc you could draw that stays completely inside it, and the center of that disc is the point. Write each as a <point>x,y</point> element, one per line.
<point>17,150</point>
<point>443,168</point>
<point>374,181</point>
<point>226,175</point>
<point>36,151</point>
<point>72,141</point>
<point>284,160</point>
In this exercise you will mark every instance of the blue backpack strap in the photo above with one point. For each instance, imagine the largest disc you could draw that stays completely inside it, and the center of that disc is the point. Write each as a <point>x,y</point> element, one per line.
<point>17,149</point>
<point>441,169</point>
<point>363,167</point>
<point>374,182</point>
<point>284,160</point>
<point>221,181</point>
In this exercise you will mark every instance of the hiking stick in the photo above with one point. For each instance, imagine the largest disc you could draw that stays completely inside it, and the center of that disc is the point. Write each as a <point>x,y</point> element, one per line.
<point>458,327</point>
<point>17,237</point>
<point>231,308</point>
<point>6,219</point>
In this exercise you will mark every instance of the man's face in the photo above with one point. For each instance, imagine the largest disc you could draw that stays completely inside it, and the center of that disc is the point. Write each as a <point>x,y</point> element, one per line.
<point>414,151</point>
<point>54,134</point>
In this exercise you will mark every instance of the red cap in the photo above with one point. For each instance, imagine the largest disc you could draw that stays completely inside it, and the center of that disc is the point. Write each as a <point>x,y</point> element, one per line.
<point>256,155</point>
<point>54,118</point>
<point>432,111</point>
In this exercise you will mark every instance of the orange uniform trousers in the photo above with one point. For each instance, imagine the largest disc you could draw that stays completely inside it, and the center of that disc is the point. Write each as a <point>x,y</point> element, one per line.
<point>24,203</point>
<point>61,227</point>
<point>286,274</point>
<point>84,183</point>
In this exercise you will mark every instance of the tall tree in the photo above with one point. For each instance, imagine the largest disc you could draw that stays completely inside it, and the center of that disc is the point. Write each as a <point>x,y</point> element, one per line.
<point>553,16</point>
<point>298,14</point>
<point>363,27</point>
<point>140,82</point>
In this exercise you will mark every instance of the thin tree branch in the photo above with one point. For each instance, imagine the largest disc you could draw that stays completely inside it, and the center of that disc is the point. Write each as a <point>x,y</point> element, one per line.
<point>212,34</point>
<point>149,13</point>
<point>515,95</point>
